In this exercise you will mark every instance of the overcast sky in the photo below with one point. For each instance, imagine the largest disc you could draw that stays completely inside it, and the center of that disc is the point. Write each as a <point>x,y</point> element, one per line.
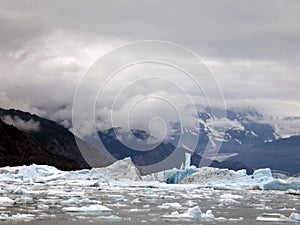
<point>252,47</point>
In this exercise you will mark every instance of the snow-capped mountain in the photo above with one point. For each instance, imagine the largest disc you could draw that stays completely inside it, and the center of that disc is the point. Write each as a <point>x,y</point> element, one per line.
<point>246,132</point>
<point>237,131</point>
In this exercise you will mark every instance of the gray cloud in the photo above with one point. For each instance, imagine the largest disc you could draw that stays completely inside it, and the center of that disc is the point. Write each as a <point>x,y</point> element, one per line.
<point>47,46</point>
<point>23,125</point>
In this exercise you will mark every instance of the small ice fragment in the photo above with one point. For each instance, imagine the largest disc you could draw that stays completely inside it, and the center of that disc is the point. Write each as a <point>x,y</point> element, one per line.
<point>43,207</point>
<point>135,201</point>
<point>110,218</point>
<point>18,191</point>
<point>208,215</point>
<point>17,217</point>
<point>195,212</point>
<point>295,216</point>
<point>134,210</point>
<point>92,208</point>
<point>227,201</point>
<point>272,217</point>
<point>25,199</point>
<point>168,205</point>
<point>6,201</point>
<point>88,201</point>
<point>71,201</point>
<point>224,196</point>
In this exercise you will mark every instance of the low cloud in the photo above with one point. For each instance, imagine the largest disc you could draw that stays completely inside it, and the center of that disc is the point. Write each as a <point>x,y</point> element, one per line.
<point>26,126</point>
<point>47,47</point>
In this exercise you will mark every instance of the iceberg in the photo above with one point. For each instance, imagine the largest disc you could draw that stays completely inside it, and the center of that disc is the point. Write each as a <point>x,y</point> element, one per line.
<point>122,170</point>
<point>176,176</point>
<point>228,179</point>
<point>282,185</point>
<point>192,213</point>
<point>125,173</point>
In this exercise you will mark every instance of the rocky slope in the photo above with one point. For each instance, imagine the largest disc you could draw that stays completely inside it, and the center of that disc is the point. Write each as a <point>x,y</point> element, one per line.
<point>49,134</point>
<point>18,148</point>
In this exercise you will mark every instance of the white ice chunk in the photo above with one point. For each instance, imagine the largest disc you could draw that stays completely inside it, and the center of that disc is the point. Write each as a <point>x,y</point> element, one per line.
<point>88,201</point>
<point>17,217</point>
<point>92,208</point>
<point>110,218</point>
<point>272,217</point>
<point>43,207</point>
<point>25,199</point>
<point>71,201</point>
<point>122,170</point>
<point>194,212</point>
<point>208,215</point>
<point>168,205</point>
<point>6,201</point>
<point>295,216</point>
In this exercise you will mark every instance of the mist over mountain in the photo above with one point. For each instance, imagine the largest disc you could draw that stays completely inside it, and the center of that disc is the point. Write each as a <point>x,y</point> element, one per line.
<point>47,133</point>
<point>247,143</point>
<point>18,148</point>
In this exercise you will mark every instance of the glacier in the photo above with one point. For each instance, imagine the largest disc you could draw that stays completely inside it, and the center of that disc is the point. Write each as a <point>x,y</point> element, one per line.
<point>119,193</point>
<point>124,172</point>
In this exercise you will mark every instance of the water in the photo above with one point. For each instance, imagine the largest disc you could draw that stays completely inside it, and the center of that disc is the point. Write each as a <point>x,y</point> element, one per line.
<point>143,205</point>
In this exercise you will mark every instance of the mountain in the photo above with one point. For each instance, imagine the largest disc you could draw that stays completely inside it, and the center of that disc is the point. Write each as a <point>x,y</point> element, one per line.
<point>47,133</point>
<point>255,141</point>
<point>243,130</point>
<point>18,148</point>
<point>282,154</point>
<point>247,135</point>
<point>120,151</point>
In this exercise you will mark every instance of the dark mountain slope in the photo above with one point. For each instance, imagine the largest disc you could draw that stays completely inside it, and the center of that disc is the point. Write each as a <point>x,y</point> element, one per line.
<point>49,135</point>
<point>282,154</point>
<point>18,148</point>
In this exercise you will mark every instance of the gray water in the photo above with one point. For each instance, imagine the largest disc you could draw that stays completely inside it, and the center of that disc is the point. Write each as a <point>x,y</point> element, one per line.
<point>141,205</point>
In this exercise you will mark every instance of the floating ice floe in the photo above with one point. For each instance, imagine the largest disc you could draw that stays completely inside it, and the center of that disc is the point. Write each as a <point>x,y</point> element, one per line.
<point>293,192</point>
<point>122,170</point>
<point>17,217</point>
<point>25,199</point>
<point>43,207</point>
<point>70,201</point>
<point>282,185</point>
<point>277,217</point>
<point>15,190</point>
<point>6,201</point>
<point>229,199</point>
<point>168,205</point>
<point>74,201</point>
<point>92,208</point>
<point>228,179</point>
<point>109,218</point>
<point>124,173</point>
<point>89,202</point>
<point>176,176</point>
<point>192,213</point>
<point>295,216</point>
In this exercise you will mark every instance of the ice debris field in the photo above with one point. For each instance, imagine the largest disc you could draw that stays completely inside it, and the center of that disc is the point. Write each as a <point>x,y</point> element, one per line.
<point>119,194</point>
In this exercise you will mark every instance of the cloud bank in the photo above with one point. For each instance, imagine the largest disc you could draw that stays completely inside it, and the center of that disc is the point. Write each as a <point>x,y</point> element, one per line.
<point>47,47</point>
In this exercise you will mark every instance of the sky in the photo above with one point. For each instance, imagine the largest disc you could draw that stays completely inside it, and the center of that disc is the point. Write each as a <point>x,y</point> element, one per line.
<point>47,47</point>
